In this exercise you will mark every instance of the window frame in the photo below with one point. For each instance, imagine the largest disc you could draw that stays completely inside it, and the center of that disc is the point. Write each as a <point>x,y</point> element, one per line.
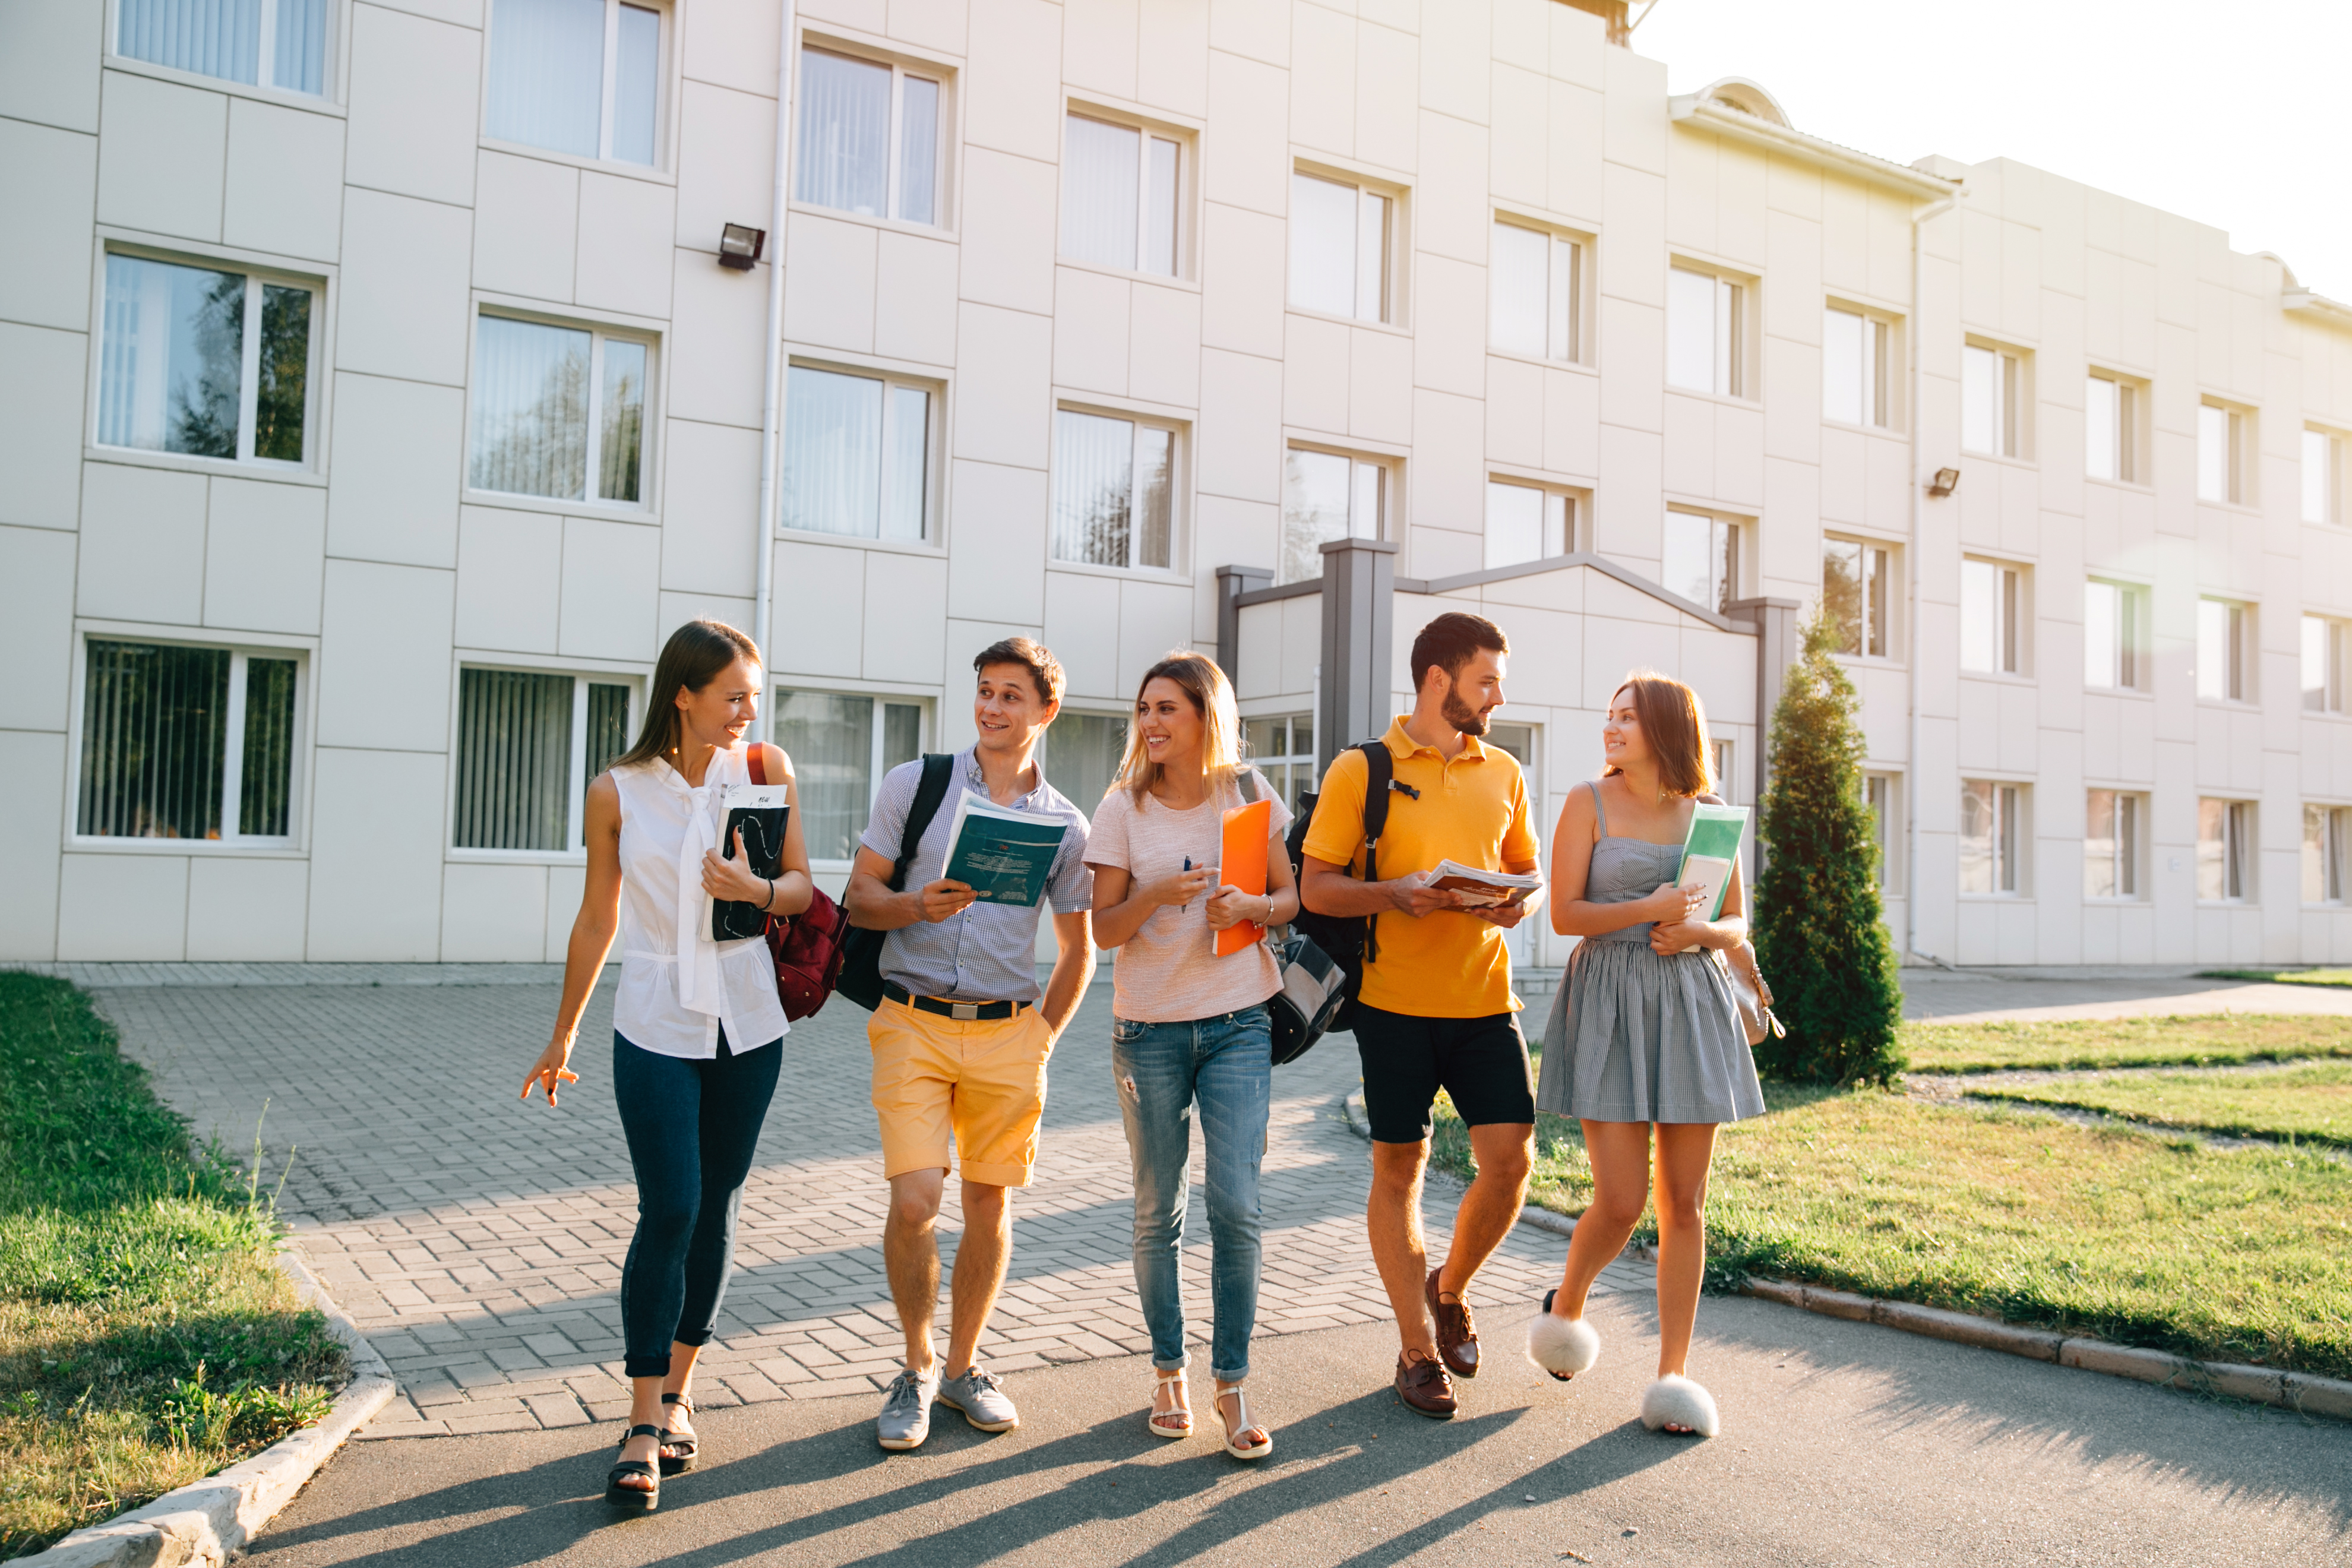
<point>1295,724</point>
<point>1179,457</point>
<point>935,457</point>
<point>1737,549</point>
<point>2131,452</point>
<point>2013,611</point>
<point>945,137</point>
<point>1574,308</point>
<point>1565,506</point>
<point>2013,400</point>
<point>1187,145</point>
<point>665,92</point>
<point>2241,655</point>
<point>1395,249</point>
<point>1882,361</point>
<point>926,704</point>
<point>2333,479</point>
<point>582,676</point>
<point>2012,839</point>
<point>2336,659</point>
<point>1890,610</point>
<point>1889,823</point>
<point>2240,851</point>
<point>2334,854</point>
<point>2236,460</point>
<point>2129,861</point>
<point>1387,501</point>
<point>2135,647</point>
<point>330,82</point>
<point>599,328</point>
<point>1734,351</point>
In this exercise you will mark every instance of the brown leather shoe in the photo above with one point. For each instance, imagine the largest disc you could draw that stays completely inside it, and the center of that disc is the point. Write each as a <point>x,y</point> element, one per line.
<point>1421,1384</point>
<point>1457,1336</point>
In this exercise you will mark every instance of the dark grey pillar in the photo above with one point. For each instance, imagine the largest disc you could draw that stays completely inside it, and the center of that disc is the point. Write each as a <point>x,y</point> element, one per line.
<point>1232,582</point>
<point>1359,589</point>
<point>1777,646</point>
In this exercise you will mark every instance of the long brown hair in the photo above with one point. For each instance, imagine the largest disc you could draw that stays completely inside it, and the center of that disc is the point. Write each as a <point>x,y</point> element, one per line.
<point>696,654</point>
<point>1674,726</point>
<point>1212,696</point>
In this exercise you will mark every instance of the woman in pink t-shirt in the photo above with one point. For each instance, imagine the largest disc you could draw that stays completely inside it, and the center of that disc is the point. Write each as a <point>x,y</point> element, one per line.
<point>1192,1028</point>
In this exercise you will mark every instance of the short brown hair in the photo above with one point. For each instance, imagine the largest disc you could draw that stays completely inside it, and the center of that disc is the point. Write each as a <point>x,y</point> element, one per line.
<point>1674,726</point>
<point>1451,641</point>
<point>1044,669</point>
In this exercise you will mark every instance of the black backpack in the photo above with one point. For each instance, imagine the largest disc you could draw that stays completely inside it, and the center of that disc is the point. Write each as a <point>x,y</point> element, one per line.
<point>1349,941</point>
<point>861,952</point>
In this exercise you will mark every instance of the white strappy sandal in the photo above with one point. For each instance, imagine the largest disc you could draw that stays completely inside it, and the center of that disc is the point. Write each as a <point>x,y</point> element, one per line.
<point>1176,1421</point>
<point>1241,1425</point>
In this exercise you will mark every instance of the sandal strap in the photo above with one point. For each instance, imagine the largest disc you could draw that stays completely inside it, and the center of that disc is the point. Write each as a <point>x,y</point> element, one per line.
<point>685,1399</point>
<point>633,1468</point>
<point>1241,1422</point>
<point>642,1429</point>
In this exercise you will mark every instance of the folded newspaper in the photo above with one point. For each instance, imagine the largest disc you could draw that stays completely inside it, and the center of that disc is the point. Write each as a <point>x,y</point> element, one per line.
<point>1482,889</point>
<point>1004,855</point>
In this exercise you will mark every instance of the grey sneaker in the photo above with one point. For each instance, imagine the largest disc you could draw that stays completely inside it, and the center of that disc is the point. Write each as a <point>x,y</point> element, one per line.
<point>906,1413</point>
<point>981,1399</point>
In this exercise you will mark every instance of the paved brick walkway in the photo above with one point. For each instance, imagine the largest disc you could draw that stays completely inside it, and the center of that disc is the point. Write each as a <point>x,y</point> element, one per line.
<point>478,1242</point>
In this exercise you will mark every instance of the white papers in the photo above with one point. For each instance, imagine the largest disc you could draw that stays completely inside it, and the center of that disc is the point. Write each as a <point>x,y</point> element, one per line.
<point>752,797</point>
<point>1482,889</point>
<point>1710,872</point>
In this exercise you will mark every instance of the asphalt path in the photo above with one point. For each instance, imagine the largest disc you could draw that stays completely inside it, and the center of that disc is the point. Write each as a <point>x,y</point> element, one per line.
<point>1843,1443</point>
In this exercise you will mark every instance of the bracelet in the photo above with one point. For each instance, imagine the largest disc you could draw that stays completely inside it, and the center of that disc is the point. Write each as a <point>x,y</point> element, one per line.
<point>771,900</point>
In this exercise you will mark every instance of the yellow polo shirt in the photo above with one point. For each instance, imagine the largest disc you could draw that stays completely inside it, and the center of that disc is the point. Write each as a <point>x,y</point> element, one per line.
<point>1474,809</point>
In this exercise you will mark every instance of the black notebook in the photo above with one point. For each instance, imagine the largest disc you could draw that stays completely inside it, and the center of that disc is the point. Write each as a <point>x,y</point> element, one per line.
<point>758,810</point>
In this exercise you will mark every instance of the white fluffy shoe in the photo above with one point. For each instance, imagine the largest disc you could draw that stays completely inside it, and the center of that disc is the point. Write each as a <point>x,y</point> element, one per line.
<point>1561,1346</point>
<point>1675,1400</point>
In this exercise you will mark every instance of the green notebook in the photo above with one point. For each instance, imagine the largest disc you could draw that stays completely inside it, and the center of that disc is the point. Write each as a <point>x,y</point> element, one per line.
<point>1711,849</point>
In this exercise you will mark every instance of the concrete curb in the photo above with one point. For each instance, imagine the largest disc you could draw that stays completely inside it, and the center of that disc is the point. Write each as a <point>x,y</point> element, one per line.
<point>209,1522</point>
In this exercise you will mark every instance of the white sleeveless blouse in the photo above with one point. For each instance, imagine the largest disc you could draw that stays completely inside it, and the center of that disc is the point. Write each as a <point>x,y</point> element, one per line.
<point>677,986</point>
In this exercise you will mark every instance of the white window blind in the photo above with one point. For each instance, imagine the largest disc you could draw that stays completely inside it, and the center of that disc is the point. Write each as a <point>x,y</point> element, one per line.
<point>1524,523</point>
<point>2322,477</point>
<point>1119,196</point>
<point>556,408</point>
<point>2223,630</point>
<point>2220,434</point>
<point>2326,853</point>
<point>2110,422</point>
<point>1700,559</point>
<point>2225,850</point>
<point>281,42</point>
<point>1083,752</point>
<point>1990,401</point>
<point>2326,649</point>
<point>841,744</point>
<point>1989,837</point>
<point>2114,617</point>
<point>1857,586</point>
<point>528,743</point>
<point>857,456</point>
<point>582,76</point>
<point>1704,330</point>
<point>1878,792</point>
<point>869,138</point>
<point>186,743</point>
<point>205,362</point>
<point>1328,496</point>
<point>1535,282</point>
<point>1992,612</point>
<point>1853,368</point>
<point>1114,482</point>
<point>1339,244</point>
<point>2110,844</point>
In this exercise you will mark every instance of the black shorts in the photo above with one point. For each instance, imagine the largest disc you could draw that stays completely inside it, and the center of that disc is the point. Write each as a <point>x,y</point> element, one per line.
<point>1481,1062</point>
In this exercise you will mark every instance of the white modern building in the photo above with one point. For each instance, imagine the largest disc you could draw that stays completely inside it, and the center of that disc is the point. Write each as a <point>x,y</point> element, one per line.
<point>379,394</point>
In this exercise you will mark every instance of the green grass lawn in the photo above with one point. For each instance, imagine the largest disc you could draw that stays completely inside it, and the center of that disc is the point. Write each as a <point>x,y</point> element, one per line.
<point>2313,1103</point>
<point>2190,1040</point>
<point>2283,976</point>
<point>2143,1240</point>
<point>146,1338</point>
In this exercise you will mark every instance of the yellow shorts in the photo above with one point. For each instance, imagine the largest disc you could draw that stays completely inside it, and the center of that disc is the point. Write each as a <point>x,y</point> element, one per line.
<point>979,1083</point>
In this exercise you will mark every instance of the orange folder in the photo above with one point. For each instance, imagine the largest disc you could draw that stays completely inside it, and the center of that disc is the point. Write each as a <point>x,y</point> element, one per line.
<point>1242,864</point>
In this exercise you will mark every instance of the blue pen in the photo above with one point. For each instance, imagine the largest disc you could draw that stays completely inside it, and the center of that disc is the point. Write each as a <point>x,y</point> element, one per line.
<point>1188,866</point>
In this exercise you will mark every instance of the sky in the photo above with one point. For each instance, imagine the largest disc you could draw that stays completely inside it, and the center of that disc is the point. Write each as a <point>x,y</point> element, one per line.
<point>2227,112</point>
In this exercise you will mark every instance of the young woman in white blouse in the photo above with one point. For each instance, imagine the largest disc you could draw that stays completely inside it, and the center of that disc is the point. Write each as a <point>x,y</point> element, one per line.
<point>697,1025</point>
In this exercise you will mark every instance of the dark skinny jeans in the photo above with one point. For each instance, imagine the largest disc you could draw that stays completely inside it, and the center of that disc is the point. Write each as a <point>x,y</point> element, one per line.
<point>691,1126</point>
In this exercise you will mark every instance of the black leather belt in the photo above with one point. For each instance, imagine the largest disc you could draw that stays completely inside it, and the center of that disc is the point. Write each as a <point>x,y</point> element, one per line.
<point>965,1012</point>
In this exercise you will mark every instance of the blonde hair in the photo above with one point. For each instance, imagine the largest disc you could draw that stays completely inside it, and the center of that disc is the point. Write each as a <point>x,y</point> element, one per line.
<point>1674,726</point>
<point>1212,696</point>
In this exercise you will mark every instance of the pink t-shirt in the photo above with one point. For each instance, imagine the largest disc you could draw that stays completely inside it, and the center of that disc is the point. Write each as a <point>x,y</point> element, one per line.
<point>1168,972</point>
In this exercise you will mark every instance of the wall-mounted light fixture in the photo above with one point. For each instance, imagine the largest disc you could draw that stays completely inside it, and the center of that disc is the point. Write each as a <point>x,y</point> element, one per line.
<point>740,246</point>
<point>1947,480</point>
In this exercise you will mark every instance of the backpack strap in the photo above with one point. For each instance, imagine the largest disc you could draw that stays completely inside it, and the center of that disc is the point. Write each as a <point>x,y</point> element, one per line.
<point>1247,778</point>
<point>937,767</point>
<point>1379,774</point>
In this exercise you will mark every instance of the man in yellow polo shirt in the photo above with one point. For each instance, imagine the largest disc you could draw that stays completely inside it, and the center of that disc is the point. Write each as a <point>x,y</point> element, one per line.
<point>1435,1010</point>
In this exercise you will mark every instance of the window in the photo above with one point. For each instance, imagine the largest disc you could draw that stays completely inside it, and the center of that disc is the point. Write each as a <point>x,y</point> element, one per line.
<point>187,742</point>
<point>1993,400</point>
<point>1340,238</point>
<point>1283,749</point>
<point>1081,753</point>
<point>869,139</point>
<point>1119,196</point>
<point>2326,853</point>
<point>1992,612</point>
<point>1701,558</point>
<point>2225,850</point>
<point>841,745</point>
<point>1857,585</point>
<point>1328,496</point>
<point>557,409</point>
<point>1534,284</point>
<point>2322,477</point>
<point>1992,836</point>
<point>2326,647</point>
<point>528,745</point>
<point>1720,764</point>
<point>1879,794</point>
<point>1855,367</point>
<point>2115,621</point>
<point>204,363</point>
<point>582,76</point>
<point>1114,484</point>
<point>1524,523</point>
<point>280,42</point>
<point>2224,650</point>
<point>857,456</point>
<point>2110,844</point>
<point>2221,460</point>
<point>2111,429</point>
<point>1704,332</point>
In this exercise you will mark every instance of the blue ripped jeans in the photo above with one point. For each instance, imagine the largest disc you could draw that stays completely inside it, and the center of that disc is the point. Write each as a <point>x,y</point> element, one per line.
<point>1224,1065</point>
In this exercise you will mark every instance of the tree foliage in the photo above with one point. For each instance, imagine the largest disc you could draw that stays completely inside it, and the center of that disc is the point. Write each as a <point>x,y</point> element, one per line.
<point>1819,930</point>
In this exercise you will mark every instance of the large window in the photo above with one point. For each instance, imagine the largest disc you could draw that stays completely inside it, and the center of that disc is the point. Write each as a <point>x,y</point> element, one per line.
<point>1993,836</point>
<point>1992,616</point>
<point>1081,752</point>
<point>869,138</point>
<point>1857,589</point>
<point>1525,524</point>
<point>277,43</point>
<point>1700,559</point>
<point>1855,371</point>
<point>528,745</point>
<point>2326,853</point>
<point>2111,429</point>
<point>2322,477</point>
<point>187,742</point>
<point>2115,628</point>
<point>858,455</point>
<point>1705,328</point>
<point>840,744</point>
<point>1120,195</point>
<point>205,362</point>
<point>2225,650</point>
<point>1328,496</point>
<point>1535,285</point>
<point>2225,850</point>
<point>1340,238</point>
<point>558,410</point>
<point>2326,652</point>
<point>582,76</point>
<point>1283,749</point>
<point>1992,402</point>
<point>2221,436</point>
<point>2112,827</point>
<point>1114,490</point>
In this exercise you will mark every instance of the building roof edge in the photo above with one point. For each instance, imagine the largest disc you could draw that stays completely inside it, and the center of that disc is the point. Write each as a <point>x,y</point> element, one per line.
<point>1697,108</point>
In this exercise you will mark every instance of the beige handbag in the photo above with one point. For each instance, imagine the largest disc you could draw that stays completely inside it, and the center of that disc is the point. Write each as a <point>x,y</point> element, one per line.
<point>1749,990</point>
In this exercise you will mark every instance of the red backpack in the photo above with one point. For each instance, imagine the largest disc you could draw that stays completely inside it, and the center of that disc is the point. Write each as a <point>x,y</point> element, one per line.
<point>806,947</point>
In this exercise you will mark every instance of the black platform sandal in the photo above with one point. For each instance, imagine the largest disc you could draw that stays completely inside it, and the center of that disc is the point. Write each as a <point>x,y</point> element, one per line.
<point>631,1498</point>
<point>687,1444</point>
